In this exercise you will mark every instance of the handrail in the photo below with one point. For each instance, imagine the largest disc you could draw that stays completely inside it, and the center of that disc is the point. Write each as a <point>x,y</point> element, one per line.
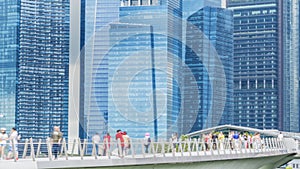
<point>189,147</point>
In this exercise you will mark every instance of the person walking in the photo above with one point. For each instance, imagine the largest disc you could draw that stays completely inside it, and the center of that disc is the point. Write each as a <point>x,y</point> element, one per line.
<point>280,136</point>
<point>96,141</point>
<point>174,141</point>
<point>221,139</point>
<point>147,142</point>
<point>13,143</point>
<point>56,138</point>
<point>119,138</point>
<point>3,138</point>
<point>106,142</point>
<point>127,142</point>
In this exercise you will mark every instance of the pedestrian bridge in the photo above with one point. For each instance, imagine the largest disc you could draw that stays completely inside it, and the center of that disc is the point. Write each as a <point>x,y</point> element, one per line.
<point>192,153</point>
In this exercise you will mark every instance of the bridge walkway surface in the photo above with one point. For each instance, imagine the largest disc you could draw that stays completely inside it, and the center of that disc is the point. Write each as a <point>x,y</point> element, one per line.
<point>189,154</point>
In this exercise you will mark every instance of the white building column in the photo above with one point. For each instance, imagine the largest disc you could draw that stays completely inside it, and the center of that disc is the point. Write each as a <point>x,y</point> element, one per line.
<point>74,71</point>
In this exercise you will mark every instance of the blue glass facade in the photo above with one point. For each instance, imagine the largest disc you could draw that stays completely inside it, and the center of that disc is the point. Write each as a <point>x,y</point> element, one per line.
<point>211,30</point>
<point>192,6</point>
<point>141,33</point>
<point>151,101</point>
<point>39,52</point>
<point>95,19</point>
<point>131,80</point>
<point>9,46</point>
<point>290,31</point>
<point>43,71</point>
<point>266,64</point>
<point>265,73</point>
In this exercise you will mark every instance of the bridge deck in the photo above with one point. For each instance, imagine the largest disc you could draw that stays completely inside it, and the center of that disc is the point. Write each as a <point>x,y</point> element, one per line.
<point>187,152</point>
<point>148,159</point>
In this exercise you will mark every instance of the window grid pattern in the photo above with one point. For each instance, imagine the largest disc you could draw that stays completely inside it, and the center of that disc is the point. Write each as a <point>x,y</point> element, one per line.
<point>43,68</point>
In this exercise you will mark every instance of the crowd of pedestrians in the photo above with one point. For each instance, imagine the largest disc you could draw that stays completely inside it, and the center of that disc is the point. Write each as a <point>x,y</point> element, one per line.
<point>9,143</point>
<point>122,140</point>
<point>212,141</point>
<point>234,139</point>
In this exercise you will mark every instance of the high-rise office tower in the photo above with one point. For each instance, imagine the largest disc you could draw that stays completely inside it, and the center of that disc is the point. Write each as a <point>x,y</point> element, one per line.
<point>147,101</point>
<point>209,56</point>
<point>34,74</point>
<point>8,54</point>
<point>189,7</point>
<point>95,19</point>
<point>151,60</point>
<point>266,65</point>
<point>290,19</point>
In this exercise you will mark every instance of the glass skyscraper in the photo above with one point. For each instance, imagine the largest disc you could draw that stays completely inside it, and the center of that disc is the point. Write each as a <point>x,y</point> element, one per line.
<point>209,56</point>
<point>95,19</point>
<point>9,26</point>
<point>192,6</point>
<point>148,101</point>
<point>266,65</point>
<point>34,58</point>
<point>153,101</point>
<point>291,70</point>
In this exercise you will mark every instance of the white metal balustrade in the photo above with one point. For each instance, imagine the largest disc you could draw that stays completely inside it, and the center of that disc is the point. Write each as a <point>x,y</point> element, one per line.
<point>192,147</point>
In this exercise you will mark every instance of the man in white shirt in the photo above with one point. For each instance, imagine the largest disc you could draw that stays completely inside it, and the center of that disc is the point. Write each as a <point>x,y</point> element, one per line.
<point>96,140</point>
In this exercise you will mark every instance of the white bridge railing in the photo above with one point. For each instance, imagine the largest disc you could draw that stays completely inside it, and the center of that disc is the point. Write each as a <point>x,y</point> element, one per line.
<point>195,147</point>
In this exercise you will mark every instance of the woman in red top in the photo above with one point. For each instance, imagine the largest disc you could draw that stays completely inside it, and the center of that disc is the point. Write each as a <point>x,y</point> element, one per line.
<point>106,143</point>
<point>119,136</point>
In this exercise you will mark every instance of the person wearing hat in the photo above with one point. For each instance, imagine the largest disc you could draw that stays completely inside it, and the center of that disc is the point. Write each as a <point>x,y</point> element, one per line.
<point>147,141</point>
<point>3,138</point>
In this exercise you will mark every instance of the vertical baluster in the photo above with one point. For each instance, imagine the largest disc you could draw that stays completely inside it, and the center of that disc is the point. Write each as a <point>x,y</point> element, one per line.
<point>73,147</point>
<point>217,146</point>
<point>25,149</point>
<point>189,147</point>
<point>94,151</point>
<point>64,148</point>
<point>38,148</point>
<point>196,142</point>
<point>163,149</point>
<point>143,148</point>
<point>81,148</point>
<point>204,146</point>
<point>120,149</point>
<point>153,149</point>
<point>132,149</point>
<point>49,146</point>
<point>32,150</point>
